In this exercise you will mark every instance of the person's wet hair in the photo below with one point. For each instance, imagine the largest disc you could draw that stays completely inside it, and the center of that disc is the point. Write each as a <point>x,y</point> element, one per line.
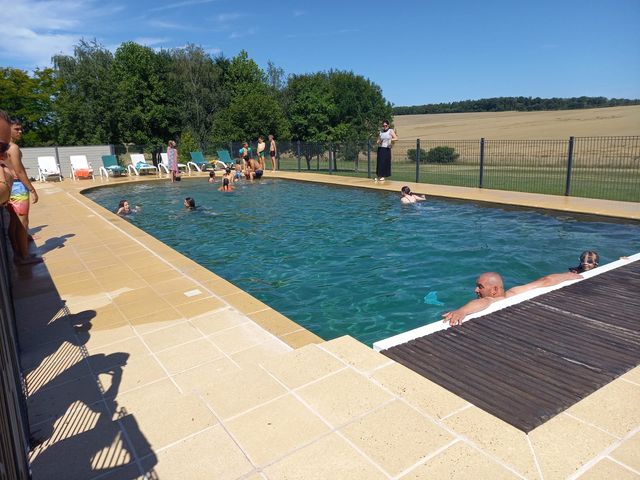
<point>588,259</point>
<point>406,190</point>
<point>190,203</point>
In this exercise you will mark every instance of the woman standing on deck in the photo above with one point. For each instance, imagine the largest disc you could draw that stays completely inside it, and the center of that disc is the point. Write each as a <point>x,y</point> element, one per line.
<point>172,156</point>
<point>383,158</point>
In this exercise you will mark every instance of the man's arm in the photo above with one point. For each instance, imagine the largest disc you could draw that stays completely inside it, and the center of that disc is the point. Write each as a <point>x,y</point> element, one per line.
<point>455,317</point>
<point>15,158</point>
<point>548,281</point>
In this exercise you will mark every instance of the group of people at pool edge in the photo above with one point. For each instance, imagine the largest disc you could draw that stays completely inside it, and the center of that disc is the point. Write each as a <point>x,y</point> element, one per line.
<point>16,190</point>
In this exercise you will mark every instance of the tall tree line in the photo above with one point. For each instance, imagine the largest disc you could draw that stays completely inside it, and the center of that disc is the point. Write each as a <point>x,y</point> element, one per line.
<point>519,104</point>
<point>137,95</point>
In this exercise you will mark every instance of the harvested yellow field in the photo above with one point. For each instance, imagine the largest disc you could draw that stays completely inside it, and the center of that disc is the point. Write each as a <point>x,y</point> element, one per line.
<point>559,124</point>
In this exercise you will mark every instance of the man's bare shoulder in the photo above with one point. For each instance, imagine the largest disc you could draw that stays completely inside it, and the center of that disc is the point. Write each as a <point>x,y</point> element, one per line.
<point>14,154</point>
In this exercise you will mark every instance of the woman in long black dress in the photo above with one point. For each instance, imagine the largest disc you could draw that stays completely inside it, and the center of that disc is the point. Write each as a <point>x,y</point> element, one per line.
<point>383,160</point>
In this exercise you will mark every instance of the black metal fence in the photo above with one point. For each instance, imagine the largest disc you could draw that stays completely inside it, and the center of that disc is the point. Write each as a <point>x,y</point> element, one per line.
<point>14,425</point>
<point>593,167</point>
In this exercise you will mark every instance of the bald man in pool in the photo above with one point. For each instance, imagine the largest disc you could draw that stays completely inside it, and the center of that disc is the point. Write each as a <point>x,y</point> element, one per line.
<point>490,288</point>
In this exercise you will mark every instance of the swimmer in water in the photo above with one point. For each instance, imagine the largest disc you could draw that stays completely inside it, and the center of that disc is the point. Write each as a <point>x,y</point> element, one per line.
<point>409,197</point>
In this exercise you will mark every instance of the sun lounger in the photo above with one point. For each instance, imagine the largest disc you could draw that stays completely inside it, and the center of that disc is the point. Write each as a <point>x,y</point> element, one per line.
<point>80,167</point>
<point>48,167</point>
<point>110,166</point>
<point>139,164</point>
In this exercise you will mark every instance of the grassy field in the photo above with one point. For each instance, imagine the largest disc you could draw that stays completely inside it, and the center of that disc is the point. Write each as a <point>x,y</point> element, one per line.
<point>560,124</point>
<point>524,151</point>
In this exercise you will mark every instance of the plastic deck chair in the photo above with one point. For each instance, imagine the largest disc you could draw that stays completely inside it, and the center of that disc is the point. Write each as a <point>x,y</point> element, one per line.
<point>110,166</point>
<point>164,163</point>
<point>48,167</point>
<point>139,164</point>
<point>80,167</point>
<point>225,157</point>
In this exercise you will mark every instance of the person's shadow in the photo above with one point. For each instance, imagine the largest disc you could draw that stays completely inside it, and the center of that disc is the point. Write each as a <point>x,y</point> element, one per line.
<point>53,243</point>
<point>77,429</point>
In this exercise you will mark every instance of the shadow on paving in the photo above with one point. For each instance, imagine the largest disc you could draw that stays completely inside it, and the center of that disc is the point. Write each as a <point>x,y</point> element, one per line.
<point>77,429</point>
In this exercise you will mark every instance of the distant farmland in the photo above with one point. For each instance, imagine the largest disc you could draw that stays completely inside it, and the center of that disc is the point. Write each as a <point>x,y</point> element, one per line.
<point>558,124</point>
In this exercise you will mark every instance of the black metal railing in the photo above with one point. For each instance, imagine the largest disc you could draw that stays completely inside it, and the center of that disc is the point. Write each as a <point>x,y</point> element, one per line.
<point>593,167</point>
<point>14,427</point>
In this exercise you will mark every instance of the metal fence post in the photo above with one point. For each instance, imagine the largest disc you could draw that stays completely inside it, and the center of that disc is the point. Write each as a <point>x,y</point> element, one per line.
<point>417,160</point>
<point>330,158</point>
<point>317,158</point>
<point>369,158</point>
<point>298,151</point>
<point>231,150</point>
<point>567,187</point>
<point>481,181</point>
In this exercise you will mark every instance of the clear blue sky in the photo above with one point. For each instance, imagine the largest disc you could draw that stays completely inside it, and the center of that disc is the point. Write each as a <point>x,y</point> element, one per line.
<point>417,51</point>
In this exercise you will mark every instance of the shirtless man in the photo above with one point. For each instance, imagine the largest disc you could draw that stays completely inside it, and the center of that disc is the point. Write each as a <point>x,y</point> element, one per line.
<point>490,288</point>
<point>21,194</point>
<point>409,197</point>
<point>6,175</point>
<point>253,170</point>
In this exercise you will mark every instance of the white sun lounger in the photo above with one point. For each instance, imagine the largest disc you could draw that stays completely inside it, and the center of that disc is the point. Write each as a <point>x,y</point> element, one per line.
<point>48,167</point>
<point>80,167</point>
<point>139,164</point>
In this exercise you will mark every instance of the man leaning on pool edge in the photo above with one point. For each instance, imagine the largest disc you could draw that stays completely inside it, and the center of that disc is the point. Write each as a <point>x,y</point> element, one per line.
<point>490,288</point>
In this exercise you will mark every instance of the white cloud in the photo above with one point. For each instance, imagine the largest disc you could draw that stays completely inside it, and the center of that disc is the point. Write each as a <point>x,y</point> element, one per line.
<point>298,13</point>
<point>41,29</point>
<point>150,41</point>
<point>184,3</point>
<point>244,32</point>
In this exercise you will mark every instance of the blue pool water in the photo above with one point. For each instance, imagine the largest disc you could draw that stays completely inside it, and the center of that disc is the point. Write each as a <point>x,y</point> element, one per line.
<point>352,261</point>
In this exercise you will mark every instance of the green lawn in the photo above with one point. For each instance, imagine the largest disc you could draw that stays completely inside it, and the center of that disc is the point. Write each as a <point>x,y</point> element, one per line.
<point>605,183</point>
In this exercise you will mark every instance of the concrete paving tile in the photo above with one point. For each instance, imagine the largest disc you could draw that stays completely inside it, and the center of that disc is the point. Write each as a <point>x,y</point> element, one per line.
<point>301,338</point>
<point>396,436</point>
<point>355,353</point>
<point>116,283</point>
<point>174,286</point>
<point>633,375</point>
<point>143,293</point>
<point>211,454</point>
<point>498,438</point>
<point>126,373</point>
<point>275,429</point>
<point>133,347</point>
<point>419,391</point>
<point>221,287</point>
<point>156,320</point>
<point>609,408</point>
<point>460,461</point>
<point>143,308</point>
<point>53,402</point>
<point>163,276</point>
<point>245,302</point>
<point>219,320</point>
<point>193,380</point>
<point>171,336</point>
<point>200,307</point>
<point>550,440</point>
<point>188,355</point>
<point>302,366</point>
<point>629,452</point>
<point>357,395</point>
<point>99,336</point>
<point>66,279</point>
<point>236,339</point>
<point>607,469</point>
<point>99,450</point>
<point>311,463</point>
<point>261,353</point>
<point>63,364</point>
<point>160,429</point>
<point>148,272</point>
<point>274,322</point>
<point>232,394</point>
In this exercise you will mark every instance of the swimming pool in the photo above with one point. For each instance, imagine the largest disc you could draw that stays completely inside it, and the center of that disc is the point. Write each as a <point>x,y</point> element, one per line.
<point>340,260</point>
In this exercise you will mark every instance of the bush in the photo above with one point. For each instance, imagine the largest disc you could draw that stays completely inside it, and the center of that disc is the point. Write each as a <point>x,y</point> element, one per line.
<point>441,155</point>
<point>411,154</point>
<point>186,145</point>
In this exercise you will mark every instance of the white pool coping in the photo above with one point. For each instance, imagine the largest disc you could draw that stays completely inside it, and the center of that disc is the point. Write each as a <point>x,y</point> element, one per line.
<point>499,305</point>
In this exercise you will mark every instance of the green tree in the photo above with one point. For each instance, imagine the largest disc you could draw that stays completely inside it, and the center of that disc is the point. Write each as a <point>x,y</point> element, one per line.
<point>31,99</point>
<point>145,109</point>
<point>84,107</point>
<point>310,107</point>
<point>196,80</point>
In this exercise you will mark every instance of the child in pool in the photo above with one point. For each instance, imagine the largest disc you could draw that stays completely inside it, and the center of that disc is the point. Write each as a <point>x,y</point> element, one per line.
<point>409,197</point>
<point>212,177</point>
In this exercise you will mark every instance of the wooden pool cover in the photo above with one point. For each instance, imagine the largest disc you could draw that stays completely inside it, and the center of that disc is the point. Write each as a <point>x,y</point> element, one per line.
<point>529,362</point>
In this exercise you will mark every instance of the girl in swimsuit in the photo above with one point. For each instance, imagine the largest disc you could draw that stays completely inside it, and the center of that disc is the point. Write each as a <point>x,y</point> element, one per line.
<point>261,148</point>
<point>272,152</point>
